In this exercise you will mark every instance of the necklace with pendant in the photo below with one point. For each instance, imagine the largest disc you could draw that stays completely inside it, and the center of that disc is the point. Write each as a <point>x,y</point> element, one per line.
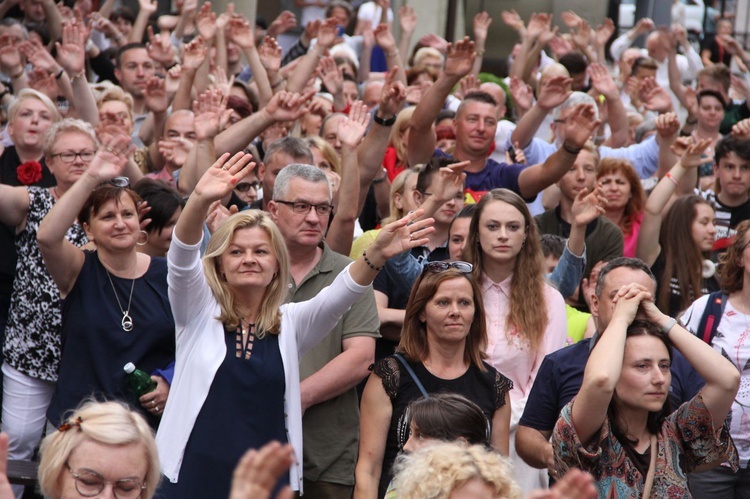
<point>127,321</point>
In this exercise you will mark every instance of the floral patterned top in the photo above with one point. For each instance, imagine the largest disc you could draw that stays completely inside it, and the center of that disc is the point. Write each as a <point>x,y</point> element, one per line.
<point>686,440</point>
<point>32,336</point>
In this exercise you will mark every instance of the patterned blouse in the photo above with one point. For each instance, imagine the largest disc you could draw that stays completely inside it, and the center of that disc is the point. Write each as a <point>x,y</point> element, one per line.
<point>686,440</point>
<point>32,336</point>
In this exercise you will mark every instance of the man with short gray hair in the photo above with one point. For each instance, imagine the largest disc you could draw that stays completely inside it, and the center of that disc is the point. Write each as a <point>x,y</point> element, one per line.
<point>280,153</point>
<point>301,207</point>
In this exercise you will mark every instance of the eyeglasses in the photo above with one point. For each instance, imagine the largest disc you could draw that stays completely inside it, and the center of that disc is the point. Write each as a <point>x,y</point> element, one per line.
<point>301,208</point>
<point>246,186</point>
<point>91,484</point>
<point>69,156</point>
<point>437,267</point>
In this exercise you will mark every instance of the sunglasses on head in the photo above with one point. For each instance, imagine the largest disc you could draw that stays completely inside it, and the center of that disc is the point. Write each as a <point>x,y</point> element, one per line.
<point>437,267</point>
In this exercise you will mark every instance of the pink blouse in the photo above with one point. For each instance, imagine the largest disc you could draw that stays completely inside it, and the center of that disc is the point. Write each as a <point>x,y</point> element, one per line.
<point>508,351</point>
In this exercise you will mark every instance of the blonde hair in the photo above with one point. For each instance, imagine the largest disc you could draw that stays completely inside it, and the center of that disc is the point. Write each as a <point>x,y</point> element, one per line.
<point>269,319</point>
<point>116,94</point>
<point>328,152</point>
<point>436,471</point>
<point>424,53</point>
<point>30,93</point>
<point>397,136</point>
<point>68,125</point>
<point>107,423</point>
<point>398,186</point>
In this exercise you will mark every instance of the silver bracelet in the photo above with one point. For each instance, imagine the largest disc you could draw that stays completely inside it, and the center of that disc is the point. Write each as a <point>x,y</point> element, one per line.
<point>668,326</point>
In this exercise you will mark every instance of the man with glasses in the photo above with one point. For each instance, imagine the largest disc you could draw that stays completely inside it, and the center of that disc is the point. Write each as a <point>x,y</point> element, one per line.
<point>301,207</point>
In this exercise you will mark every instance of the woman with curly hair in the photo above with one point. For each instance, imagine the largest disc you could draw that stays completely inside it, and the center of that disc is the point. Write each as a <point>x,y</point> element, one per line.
<point>625,199</point>
<point>525,315</point>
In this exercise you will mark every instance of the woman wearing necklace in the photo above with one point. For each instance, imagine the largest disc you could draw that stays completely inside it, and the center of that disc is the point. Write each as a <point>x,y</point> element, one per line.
<point>116,308</point>
<point>236,383</point>
<point>32,337</point>
<point>732,339</point>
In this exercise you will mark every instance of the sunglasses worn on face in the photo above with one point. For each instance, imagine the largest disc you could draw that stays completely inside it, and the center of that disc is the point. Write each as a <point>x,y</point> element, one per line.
<point>246,186</point>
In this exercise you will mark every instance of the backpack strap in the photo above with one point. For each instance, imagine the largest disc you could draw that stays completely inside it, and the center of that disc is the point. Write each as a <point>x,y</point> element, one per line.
<point>412,374</point>
<point>711,316</point>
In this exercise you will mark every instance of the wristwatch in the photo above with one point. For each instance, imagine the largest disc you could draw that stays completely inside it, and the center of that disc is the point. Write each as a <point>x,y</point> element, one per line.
<point>384,122</point>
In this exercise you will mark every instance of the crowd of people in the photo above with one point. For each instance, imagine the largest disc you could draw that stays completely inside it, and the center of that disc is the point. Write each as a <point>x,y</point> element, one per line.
<point>355,265</point>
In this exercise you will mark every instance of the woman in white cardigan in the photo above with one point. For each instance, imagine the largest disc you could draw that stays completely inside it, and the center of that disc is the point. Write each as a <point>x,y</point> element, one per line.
<point>236,382</point>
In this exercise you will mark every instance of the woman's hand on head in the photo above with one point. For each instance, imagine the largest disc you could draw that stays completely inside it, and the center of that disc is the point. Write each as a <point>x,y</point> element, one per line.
<point>402,235</point>
<point>628,300</point>
<point>111,158</point>
<point>223,175</point>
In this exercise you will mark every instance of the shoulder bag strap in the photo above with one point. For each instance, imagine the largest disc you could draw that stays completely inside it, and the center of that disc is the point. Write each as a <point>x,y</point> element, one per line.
<point>412,374</point>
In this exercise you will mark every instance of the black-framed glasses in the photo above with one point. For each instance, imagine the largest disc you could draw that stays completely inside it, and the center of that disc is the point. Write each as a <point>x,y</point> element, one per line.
<point>246,186</point>
<point>91,484</point>
<point>301,208</point>
<point>70,156</point>
<point>437,267</point>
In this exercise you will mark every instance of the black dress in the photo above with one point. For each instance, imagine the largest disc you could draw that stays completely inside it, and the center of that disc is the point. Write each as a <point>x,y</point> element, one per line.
<point>251,382</point>
<point>486,388</point>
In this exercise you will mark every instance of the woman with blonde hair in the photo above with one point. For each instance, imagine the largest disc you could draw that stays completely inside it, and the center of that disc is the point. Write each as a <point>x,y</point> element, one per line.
<point>238,343</point>
<point>101,445</point>
<point>396,160</point>
<point>525,315</point>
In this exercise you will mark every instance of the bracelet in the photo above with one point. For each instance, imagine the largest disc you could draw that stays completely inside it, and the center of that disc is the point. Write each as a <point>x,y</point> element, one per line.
<point>669,325</point>
<point>384,121</point>
<point>59,74</point>
<point>19,74</point>
<point>571,150</point>
<point>671,177</point>
<point>369,263</point>
<point>382,178</point>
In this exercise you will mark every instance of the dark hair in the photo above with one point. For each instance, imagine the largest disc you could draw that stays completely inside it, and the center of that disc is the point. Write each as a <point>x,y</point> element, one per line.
<point>720,73</point>
<point>414,343</point>
<point>125,48</point>
<point>447,417</point>
<point>712,93</point>
<point>730,143</point>
<point>466,212</point>
<point>416,73</point>
<point>637,201</point>
<point>424,177</point>
<point>732,272</point>
<point>343,5</point>
<point>240,106</point>
<point>683,259</point>
<point>574,62</point>
<point>655,419</point>
<point>292,146</point>
<point>100,196</point>
<point>552,245</point>
<point>643,62</point>
<point>122,13</point>
<point>163,200</point>
<point>445,114</point>
<point>616,263</point>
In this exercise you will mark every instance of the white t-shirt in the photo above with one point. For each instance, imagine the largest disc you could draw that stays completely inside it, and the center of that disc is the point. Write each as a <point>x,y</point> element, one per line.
<point>370,11</point>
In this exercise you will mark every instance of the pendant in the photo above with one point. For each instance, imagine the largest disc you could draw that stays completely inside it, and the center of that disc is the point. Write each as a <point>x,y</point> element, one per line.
<point>127,322</point>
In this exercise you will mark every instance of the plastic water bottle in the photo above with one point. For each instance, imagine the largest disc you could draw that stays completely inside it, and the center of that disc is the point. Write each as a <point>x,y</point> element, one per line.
<point>139,381</point>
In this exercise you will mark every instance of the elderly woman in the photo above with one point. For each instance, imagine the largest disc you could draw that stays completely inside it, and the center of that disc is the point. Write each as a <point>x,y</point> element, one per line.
<point>116,308</point>
<point>238,344</point>
<point>32,337</point>
<point>441,350</point>
<point>102,450</point>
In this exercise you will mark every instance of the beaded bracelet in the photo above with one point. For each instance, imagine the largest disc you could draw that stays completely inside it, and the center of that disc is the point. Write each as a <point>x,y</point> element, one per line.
<point>369,263</point>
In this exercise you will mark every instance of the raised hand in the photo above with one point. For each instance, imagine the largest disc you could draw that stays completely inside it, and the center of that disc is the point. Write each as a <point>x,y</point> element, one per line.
<point>554,92</point>
<point>400,236</point>
<point>644,25</point>
<point>270,54</point>
<point>460,58</point>
<point>654,97</point>
<point>741,129</point>
<point>194,53</point>
<point>328,33</point>
<point>468,84</point>
<point>628,300</point>
<point>10,55</point>
<point>667,125</point>
<point>159,47</point>
<point>512,19</point>
<point>148,6</point>
<point>223,19</point>
<point>384,38</point>
<point>352,129</point>
<point>211,114</point>
<point>522,93</point>
<point>571,19</point>
<point>602,81</point>
<point>221,177</point>
<point>311,31</point>
<point>538,24</point>
<point>580,125</point>
<point>393,95</point>
<point>588,207</point>
<point>694,154</point>
<point>449,181</point>
<point>604,32</point>
<point>407,19</point>
<point>217,213</point>
<point>71,54</point>
<point>481,25</point>
<point>175,150</point>
<point>288,106</point>
<point>258,472</point>
<point>111,158</point>
<point>331,75</point>
<point>42,81</point>
<point>240,32</point>
<point>559,45</point>
<point>205,22</point>
<point>155,94</point>
<point>582,36</point>
<point>732,46</point>
<point>283,23</point>
<point>39,57</point>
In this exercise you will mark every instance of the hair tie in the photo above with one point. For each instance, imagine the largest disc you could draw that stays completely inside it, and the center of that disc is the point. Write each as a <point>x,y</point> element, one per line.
<point>71,424</point>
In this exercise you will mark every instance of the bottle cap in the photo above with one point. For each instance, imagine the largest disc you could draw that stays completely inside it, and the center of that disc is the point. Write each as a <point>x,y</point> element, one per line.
<point>129,368</point>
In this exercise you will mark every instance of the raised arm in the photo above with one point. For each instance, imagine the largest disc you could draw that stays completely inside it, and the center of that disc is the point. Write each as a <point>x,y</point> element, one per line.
<point>14,205</point>
<point>145,9</point>
<point>408,21</point>
<point>350,133</point>
<point>552,93</point>
<point>481,25</point>
<point>327,38</point>
<point>63,259</point>
<point>602,83</point>
<point>384,38</point>
<point>241,33</point>
<point>458,63</point>
<point>72,58</point>
<point>648,238</point>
